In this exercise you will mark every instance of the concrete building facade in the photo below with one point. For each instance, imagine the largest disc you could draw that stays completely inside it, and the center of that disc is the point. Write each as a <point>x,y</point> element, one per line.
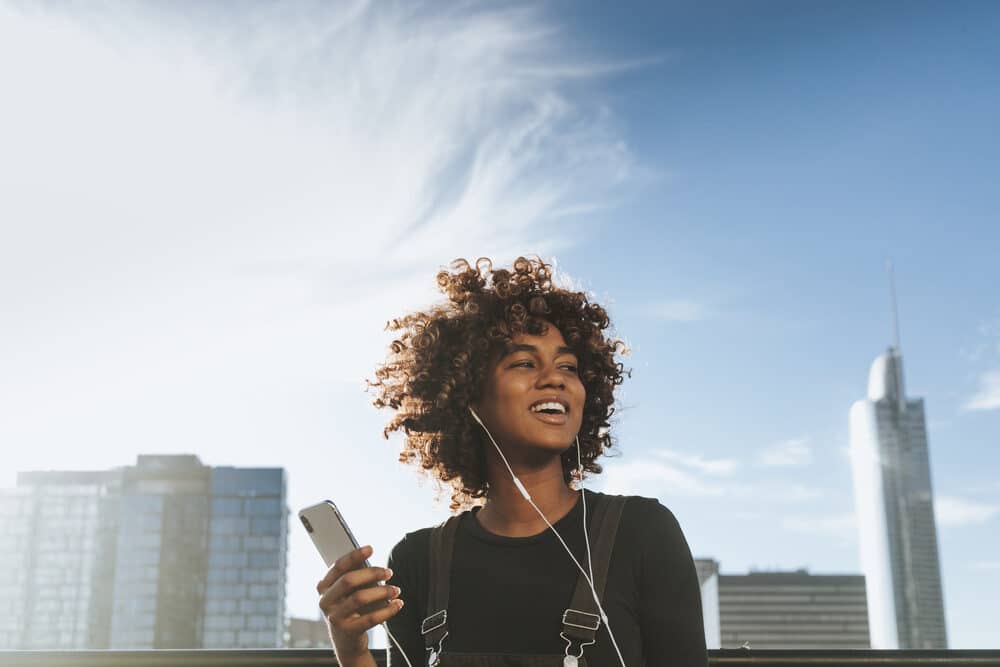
<point>793,610</point>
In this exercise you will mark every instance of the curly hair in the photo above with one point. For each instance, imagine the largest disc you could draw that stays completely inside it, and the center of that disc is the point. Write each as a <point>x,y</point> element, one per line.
<point>438,364</point>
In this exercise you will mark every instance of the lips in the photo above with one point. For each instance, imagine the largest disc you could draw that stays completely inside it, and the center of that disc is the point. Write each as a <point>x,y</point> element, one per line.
<point>554,419</point>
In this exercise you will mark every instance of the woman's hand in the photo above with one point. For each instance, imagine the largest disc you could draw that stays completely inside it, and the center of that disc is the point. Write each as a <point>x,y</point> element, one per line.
<point>347,594</point>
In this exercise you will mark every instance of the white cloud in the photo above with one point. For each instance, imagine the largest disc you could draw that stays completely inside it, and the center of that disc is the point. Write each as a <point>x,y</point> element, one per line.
<point>209,203</point>
<point>209,213</point>
<point>787,453</point>
<point>951,511</point>
<point>988,396</point>
<point>792,493</point>
<point>657,479</point>
<point>667,473</point>
<point>840,526</point>
<point>986,565</point>
<point>677,310</point>
<point>699,463</point>
<point>990,328</point>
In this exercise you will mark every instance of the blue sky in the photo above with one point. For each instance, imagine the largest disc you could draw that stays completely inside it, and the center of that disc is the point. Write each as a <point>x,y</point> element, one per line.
<point>208,221</point>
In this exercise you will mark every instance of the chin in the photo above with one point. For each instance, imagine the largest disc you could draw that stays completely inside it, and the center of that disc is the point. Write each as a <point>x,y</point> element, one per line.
<point>554,442</point>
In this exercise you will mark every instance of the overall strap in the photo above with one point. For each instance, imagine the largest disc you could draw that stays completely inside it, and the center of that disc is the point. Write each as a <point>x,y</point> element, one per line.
<point>582,618</point>
<point>442,543</point>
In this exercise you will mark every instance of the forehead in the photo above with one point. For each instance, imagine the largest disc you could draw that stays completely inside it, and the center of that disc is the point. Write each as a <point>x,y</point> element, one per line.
<point>552,335</point>
<point>551,343</point>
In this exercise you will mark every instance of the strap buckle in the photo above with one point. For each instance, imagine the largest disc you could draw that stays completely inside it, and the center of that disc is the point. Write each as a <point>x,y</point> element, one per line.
<point>439,620</point>
<point>581,619</point>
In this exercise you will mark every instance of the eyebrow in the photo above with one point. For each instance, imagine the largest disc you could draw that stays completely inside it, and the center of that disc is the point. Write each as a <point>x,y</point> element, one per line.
<point>524,347</point>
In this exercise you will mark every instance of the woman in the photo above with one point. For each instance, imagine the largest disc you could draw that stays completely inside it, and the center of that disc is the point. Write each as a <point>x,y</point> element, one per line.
<point>505,392</point>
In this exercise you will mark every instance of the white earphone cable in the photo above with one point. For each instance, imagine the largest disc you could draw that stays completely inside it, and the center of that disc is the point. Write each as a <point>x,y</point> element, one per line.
<point>385,624</point>
<point>527,496</point>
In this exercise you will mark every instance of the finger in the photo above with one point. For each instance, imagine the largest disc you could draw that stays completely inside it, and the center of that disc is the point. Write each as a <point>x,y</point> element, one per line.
<point>350,605</point>
<point>370,620</point>
<point>344,564</point>
<point>355,579</point>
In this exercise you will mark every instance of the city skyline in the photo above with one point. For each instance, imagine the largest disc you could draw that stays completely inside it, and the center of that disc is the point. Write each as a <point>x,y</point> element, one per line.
<point>209,215</point>
<point>186,555</point>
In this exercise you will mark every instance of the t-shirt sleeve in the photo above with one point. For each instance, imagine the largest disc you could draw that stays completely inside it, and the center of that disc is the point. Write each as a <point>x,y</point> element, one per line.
<point>672,625</point>
<point>408,564</point>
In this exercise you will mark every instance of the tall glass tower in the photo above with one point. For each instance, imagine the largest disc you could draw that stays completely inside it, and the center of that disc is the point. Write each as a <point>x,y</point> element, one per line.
<point>895,510</point>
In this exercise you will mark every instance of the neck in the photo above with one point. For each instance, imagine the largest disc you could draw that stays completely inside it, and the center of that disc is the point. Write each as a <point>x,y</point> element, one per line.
<point>506,511</point>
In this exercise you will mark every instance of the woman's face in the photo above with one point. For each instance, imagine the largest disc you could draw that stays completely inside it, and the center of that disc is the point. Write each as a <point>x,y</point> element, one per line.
<point>533,397</point>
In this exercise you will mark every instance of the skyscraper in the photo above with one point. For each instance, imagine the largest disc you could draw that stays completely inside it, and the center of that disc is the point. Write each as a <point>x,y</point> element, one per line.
<point>245,597</point>
<point>58,533</point>
<point>168,553</point>
<point>160,560</point>
<point>895,510</point>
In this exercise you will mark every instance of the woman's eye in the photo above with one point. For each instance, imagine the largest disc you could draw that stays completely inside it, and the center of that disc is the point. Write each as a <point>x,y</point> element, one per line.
<point>530,364</point>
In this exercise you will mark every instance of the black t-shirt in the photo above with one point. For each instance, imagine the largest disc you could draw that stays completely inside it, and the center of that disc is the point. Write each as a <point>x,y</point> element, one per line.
<point>508,594</point>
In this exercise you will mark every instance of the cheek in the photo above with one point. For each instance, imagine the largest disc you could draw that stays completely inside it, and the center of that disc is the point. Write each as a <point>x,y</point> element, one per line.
<point>580,391</point>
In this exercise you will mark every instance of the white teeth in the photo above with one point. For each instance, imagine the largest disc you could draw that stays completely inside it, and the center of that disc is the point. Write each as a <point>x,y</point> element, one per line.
<point>552,405</point>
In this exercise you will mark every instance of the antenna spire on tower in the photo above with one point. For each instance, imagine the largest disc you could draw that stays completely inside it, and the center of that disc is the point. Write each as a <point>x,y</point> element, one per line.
<point>895,311</point>
<point>897,354</point>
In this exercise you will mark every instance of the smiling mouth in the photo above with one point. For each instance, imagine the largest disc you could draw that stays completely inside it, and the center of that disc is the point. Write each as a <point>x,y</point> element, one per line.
<point>554,419</point>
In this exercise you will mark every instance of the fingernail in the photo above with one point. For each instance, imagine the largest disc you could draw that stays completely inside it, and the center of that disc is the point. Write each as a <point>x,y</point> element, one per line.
<point>388,573</point>
<point>398,602</point>
<point>367,551</point>
<point>396,590</point>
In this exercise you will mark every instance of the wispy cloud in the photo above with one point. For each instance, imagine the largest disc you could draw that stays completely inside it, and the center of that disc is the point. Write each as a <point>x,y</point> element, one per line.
<point>670,473</point>
<point>658,479</point>
<point>723,466</point>
<point>222,194</point>
<point>677,310</point>
<point>988,396</point>
<point>840,526</point>
<point>986,565</point>
<point>787,453</point>
<point>793,493</point>
<point>952,511</point>
<point>210,211</point>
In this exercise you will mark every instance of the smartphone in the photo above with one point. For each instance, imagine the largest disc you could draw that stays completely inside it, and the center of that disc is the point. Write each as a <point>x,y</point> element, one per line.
<point>329,532</point>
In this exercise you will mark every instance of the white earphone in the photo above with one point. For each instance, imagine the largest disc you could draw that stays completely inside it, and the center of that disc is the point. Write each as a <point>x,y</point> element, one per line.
<point>527,496</point>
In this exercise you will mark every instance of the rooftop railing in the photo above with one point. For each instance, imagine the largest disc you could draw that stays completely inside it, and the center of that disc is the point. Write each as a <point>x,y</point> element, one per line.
<point>324,657</point>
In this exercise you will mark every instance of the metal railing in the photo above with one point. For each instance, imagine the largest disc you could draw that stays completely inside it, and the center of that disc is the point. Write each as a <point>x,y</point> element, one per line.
<point>324,657</point>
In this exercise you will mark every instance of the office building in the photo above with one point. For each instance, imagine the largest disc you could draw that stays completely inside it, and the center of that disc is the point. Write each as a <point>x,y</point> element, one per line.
<point>244,600</point>
<point>160,560</point>
<point>58,535</point>
<point>895,509</point>
<point>792,610</point>
<point>708,580</point>
<point>168,553</point>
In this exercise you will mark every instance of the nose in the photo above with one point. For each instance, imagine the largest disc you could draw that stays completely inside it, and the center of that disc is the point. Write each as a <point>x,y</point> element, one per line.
<point>550,377</point>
